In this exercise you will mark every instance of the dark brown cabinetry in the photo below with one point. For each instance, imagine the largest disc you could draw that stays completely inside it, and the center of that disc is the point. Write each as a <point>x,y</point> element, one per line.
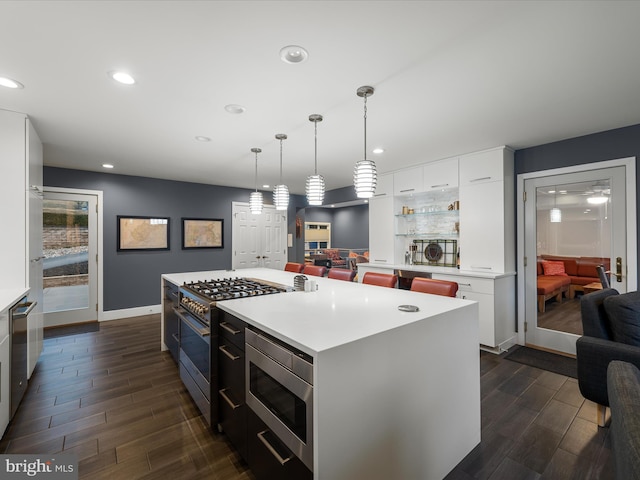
<point>171,320</point>
<point>268,457</point>
<point>232,406</point>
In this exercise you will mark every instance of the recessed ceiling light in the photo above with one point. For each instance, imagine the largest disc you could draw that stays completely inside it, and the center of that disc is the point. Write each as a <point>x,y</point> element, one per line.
<point>378,150</point>
<point>266,185</point>
<point>107,165</point>
<point>122,77</point>
<point>366,201</point>
<point>293,54</point>
<point>203,139</point>
<point>235,109</point>
<point>10,83</point>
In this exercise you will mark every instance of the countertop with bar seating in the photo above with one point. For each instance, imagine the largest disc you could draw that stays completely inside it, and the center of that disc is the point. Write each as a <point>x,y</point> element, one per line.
<point>396,394</point>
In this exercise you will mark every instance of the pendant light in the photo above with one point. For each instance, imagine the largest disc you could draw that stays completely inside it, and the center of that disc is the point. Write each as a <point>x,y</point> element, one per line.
<point>255,200</point>
<point>315,183</point>
<point>365,176</point>
<point>281,191</point>
<point>555,214</point>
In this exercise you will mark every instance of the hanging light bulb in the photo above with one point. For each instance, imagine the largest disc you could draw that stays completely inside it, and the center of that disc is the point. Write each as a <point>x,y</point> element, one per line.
<point>365,175</point>
<point>315,183</point>
<point>255,200</point>
<point>281,191</point>
<point>555,214</point>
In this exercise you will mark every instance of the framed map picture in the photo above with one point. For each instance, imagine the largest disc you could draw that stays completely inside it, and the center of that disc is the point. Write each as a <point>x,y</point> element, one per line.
<point>201,233</point>
<point>142,233</point>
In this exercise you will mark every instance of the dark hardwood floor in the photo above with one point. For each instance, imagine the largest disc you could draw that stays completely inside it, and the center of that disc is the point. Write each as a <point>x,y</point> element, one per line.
<point>113,399</point>
<point>564,316</point>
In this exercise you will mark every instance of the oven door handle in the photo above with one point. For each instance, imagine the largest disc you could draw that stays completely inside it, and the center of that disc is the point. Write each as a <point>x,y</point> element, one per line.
<point>272,449</point>
<point>202,331</point>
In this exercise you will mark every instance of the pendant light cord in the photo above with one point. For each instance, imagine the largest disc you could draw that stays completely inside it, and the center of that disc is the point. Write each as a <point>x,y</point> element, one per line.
<point>256,171</point>
<point>281,161</point>
<point>365,126</point>
<point>315,123</point>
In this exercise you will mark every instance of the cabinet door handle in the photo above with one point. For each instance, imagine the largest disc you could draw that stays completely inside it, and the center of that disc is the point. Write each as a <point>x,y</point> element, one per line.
<point>379,260</point>
<point>440,186</point>
<point>407,190</point>
<point>223,349</point>
<point>175,337</point>
<point>379,194</point>
<point>480,267</point>
<point>274,452</point>
<point>480,179</point>
<point>464,284</point>
<point>228,400</point>
<point>229,329</point>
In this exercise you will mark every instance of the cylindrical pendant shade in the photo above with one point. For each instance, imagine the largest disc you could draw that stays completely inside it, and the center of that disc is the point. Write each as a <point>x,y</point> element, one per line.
<point>255,203</point>
<point>365,178</point>
<point>281,197</point>
<point>315,189</point>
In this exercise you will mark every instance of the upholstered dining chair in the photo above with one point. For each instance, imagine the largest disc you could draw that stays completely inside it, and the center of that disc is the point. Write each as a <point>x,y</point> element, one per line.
<point>380,279</point>
<point>315,270</point>
<point>293,267</point>
<point>437,287</point>
<point>342,274</point>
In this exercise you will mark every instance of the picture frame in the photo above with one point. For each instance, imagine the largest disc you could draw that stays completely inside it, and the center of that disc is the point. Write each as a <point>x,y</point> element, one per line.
<point>200,233</point>
<point>142,233</point>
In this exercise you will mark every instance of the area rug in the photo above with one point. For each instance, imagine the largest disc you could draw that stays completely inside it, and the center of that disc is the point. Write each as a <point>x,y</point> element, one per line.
<point>544,360</point>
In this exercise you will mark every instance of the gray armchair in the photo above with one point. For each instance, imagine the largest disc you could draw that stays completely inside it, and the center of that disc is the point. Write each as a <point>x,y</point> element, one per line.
<point>611,331</point>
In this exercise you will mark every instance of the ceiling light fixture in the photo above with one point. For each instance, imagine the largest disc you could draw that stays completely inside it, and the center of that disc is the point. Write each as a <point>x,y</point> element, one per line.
<point>235,109</point>
<point>315,183</point>
<point>365,176</point>
<point>107,165</point>
<point>378,151</point>
<point>255,200</point>
<point>293,54</point>
<point>203,139</point>
<point>281,191</point>
<point>597,199</point>
<point>555,214</point>
<point>122,77</point>
<point>10,83</point>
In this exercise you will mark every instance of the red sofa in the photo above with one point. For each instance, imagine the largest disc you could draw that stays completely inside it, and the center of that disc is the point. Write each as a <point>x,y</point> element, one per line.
<point>578,272</point>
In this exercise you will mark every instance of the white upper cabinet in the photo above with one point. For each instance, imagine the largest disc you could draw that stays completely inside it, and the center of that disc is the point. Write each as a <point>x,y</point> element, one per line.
<point>482,167</point>
<point>407,182</point>
<point>440,175</point>
<point>385,185</point>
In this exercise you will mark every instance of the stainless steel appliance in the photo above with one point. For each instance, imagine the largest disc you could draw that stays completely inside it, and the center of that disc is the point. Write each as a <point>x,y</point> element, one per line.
<point>279,389</point>
<point>18,318</point>
<point>198,333</point>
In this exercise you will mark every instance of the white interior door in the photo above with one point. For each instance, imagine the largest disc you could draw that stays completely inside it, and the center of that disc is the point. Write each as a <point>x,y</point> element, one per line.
<point>70,265</point>
<point>579,214</point>
<point>259,240</point>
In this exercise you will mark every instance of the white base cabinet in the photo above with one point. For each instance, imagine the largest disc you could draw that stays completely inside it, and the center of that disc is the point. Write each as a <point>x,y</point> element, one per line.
<point>496,303</point>
<point>5,375</point>
<point>381,231</point>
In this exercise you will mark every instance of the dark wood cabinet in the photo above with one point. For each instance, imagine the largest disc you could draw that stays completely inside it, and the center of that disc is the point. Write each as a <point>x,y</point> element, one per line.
<point>171,321</point>
<point>268,458</point>
<point>231,365</point>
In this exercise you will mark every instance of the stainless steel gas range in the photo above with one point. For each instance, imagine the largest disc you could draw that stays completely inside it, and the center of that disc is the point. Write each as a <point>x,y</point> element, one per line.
<point>198,333</point>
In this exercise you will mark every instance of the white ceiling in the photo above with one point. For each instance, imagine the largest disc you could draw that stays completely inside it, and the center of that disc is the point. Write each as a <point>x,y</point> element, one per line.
<point>450,77</point>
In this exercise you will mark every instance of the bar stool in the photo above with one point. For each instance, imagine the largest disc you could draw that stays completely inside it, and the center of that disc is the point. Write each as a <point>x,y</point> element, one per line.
<point>380,279</point>
<point>315,270</point>
<point>342,274</point>
<point>437,287</point>
<point>293,267</point>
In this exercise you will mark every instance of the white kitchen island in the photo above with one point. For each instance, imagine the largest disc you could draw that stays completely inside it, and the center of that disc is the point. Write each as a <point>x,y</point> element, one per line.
<point>396,394</point>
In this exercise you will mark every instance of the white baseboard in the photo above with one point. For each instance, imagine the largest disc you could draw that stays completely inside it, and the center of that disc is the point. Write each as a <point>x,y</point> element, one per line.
<point>129,312</point>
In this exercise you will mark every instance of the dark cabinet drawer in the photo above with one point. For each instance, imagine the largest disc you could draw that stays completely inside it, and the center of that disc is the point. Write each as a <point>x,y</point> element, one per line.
<point>171,322</point>
<point>232,328</point>
<point>233,419</point>
<point>267,457</point>
<point>231,368</point>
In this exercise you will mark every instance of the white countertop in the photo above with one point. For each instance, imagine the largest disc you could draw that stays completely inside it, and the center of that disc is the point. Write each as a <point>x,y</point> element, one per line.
<point>436,269</point>
<point>9,296</point>
<point>337,313</point>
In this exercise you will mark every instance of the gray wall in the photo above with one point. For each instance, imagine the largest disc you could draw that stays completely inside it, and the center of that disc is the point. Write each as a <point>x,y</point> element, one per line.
<point>609,145</point>
<point>349,225</point>
<point>132,279</point>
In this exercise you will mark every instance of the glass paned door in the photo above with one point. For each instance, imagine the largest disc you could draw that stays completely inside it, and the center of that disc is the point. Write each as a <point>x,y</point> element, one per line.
<point>574,222</point>
<point>69,266</point>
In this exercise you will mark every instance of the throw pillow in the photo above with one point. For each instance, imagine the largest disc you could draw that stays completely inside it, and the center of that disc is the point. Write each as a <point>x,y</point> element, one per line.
<point>551,267</point>
<point>624,317</point>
